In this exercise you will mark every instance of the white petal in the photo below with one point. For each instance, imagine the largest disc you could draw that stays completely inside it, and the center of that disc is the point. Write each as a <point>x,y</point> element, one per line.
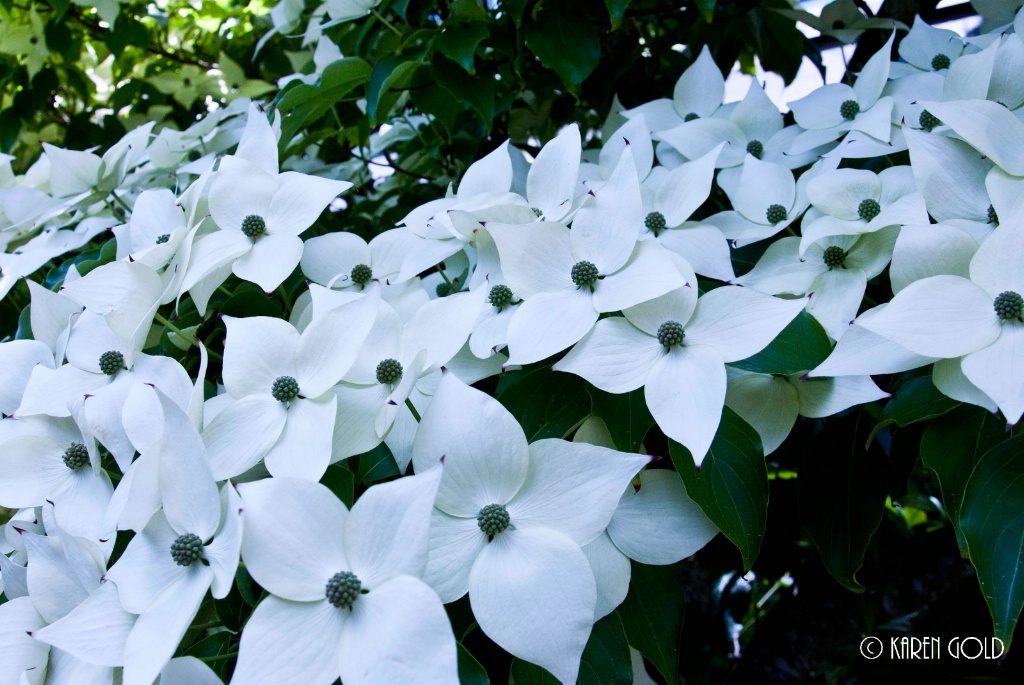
<point>821,397</point>
<point>820,109</point>
<point>839,193</point>
<point>532,592</point>
<point>701,88</point>
<point>239,189</point>
<point>18,651</point>
<point>649,273</point>
<point>188,670</point>
<point>17,360</point>
<point>949,378</point>
<point>769,404</point>
<point>686,393</point>
<point>492,174</point>
<point>762,185</point>
<point>611,572</point>
<point>146,567</point>
<point>704,246</point>
<point>238,437</point>
<point>635,135</point>
<point>781,270</point>
<point>719,139</point>
<point>658,523</point>
<point>998,265</point>
<point>835,297</point>
<point>950,175</point>
<point>271,260</point>
<point>549,323</point>
<point>293,541</point>
<point>290,642</point>
<point>572,488</point>
<point>328,256</point>
<point>212,253</point>
<point>304,448</point>
<point>941,316</point>
<point>535,258</point>
<point>455,543</point>
<point>686,188</point>
<point>739,322</point>
<point>54,583</point>
<point>442,326</point>
<point>50,314</point>
<point>49,391</point>
<point>398,633</point>
<point>258,350</point>
<point>258,143</point>
<point>354,431</point>
<point>991,128</point>
<point>552,180</point>
<point>299,201</point>
<point>998,370</point>
<point>606,229</point>
<point>615,356</point>
<point>861,352</point>
<point>873,76</point>
<point>330,344</point>
<point>930,250</point>
<point>95,631</point>
<point>484,448</point>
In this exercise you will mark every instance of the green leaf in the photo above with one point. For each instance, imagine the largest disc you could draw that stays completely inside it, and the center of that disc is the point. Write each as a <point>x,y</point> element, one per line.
<point>24,331</point>
<point>652,615</point>
<point>801,346</point>
<point>952,447</point>
<point>458,42</point>
<point>377,464</point>
<point>303,104</point>
<point>563,42</point>
<point>402,78</point>
<point>249,300</point>
<point>470,670</point>
<point>731,486</point>
<point>992,519</point>
<point>605,661</point>
<point>106,254</point>
<point>616,10</point>
<point>914,401</point>
<point>625,415</point>
<point>478,92</point>
<point>547,404</point>
<point>128,32</point>
<point>707,9</point>
<point>843,488</point>
<point>341,482</point>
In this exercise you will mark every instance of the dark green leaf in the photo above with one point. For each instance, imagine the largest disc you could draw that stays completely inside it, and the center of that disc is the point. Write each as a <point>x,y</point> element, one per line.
<point>249,300</point>
<point>470,670</point>
<point>377,464</point>
<point>458,42</point>
<point>843,487</point>
<point>404,77</point>
<point>732,483</point>
<point>992,519</point>
<point>128,32</point>
<point>914,401</point>
<point>341,482</point>
<point>652,616</point>
<point>625,415</point>
<point>605,660</point>
<point>616,10</point>
<point>801,346</point>
<point>106,254</point>
<point>24,331</point>
<point>213,645</point>
<point>952,447</point>
<point>564,43</point>
<point>303,104</point>
<point>707,9</point>
<point>478,92</point>
<point>546,403</point>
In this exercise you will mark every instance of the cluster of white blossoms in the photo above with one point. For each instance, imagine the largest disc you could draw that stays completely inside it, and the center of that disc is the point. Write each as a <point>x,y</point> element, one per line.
<point>591,253</point>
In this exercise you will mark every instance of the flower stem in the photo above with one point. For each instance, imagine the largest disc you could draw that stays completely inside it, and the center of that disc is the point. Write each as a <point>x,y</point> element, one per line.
<point>415,414</point>
<point>219,657</point>
<point>381,19</point>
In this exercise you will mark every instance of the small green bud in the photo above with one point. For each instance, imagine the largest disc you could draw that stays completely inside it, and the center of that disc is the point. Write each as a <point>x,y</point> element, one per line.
<point>493,519</point>
<point>835,256</point>
<point>756,148</point>
<point>993,218</point>
<point>389,372</point>
<point>500,296</point>
<point>849,109</point>
<point>187,549</point>
<point>584,274</point>
<point>940,61</point>
<point>691,116</point>
<point>655,222</point>
<point>670,334</point>
<point>1009,305</point>
<point>869,209</point>
<point>111,362</point>
<point>76,456</point>
<point>285,389</point>
<point>163,239</point>
<point>361,274</point>
<point>253,226</point>
<point>343,589</point>
<point>776,213</point>
<point>443,289</point>
<point>928,120</point>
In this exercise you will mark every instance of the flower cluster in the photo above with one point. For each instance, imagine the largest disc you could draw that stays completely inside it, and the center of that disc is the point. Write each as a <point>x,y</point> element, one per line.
<point>607,263</point>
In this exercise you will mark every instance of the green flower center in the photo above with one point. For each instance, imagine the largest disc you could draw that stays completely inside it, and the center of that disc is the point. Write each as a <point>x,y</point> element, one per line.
<point>691,116</point>
<point>834,256</point>
<point>389,372</point>
<point>443,289</point>
<point>928,120</point>
<point>670,334</point>
<point>493,519</point>
<point>187,549</point>
<point>361,274</point>
<point>993,218</point>
<point>849,109</point>
<point>285,389</point>
<point>163,239</point>
<point>584,274</point>
<point>343,589</point>
<point>1009,305</point>
<point>253,226</point>
<point>76,456</point>
<point>940,62</point>
<point>111,362</point>
<point>756,148</point>
<point>869,209</point>
<point>776,213</point>
<point>500,296</point>
<point>655,222</point>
